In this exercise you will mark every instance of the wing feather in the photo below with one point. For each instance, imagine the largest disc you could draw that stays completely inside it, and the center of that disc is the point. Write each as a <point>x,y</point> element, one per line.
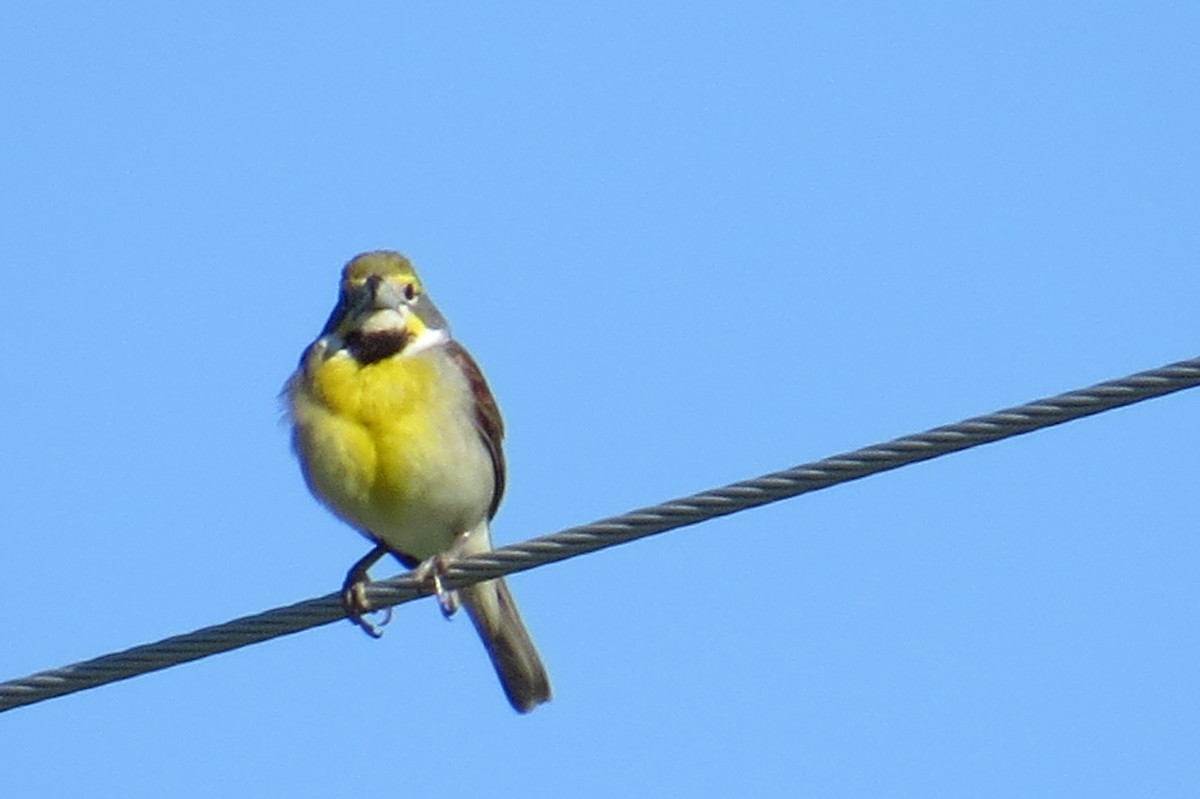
<point>487,418</point>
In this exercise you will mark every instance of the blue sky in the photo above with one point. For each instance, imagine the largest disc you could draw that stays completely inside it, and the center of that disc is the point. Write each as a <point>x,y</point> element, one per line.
<point>688,244</point>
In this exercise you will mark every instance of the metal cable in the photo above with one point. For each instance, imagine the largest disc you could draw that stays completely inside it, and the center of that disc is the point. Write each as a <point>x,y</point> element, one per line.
<point>612,531</point>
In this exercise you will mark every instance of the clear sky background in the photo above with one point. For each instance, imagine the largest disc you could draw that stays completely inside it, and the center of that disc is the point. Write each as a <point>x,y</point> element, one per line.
<point>689,244</point>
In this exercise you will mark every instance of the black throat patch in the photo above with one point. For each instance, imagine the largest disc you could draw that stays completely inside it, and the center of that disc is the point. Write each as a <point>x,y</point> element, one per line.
<point>369,348</point>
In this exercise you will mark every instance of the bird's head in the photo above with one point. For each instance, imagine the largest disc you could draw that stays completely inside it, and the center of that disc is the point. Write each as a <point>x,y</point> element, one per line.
<point>382,309</point>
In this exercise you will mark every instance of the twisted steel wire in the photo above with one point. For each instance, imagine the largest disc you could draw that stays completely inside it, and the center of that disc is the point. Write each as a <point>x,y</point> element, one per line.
<point>609,532</point>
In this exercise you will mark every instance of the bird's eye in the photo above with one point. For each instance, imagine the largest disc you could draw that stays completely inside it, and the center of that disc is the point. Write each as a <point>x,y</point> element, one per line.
<point>410,292</point>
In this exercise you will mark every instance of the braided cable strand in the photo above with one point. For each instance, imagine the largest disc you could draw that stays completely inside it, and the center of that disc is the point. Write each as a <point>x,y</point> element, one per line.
<point>612,531</point>
<point>824,473</point>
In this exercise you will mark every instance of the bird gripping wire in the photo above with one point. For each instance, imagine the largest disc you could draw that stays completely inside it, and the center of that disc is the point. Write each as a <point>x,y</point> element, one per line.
<point>609,532</point>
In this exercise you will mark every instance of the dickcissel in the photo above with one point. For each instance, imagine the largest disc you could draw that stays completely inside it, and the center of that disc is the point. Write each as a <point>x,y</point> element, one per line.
<point>398,434</point>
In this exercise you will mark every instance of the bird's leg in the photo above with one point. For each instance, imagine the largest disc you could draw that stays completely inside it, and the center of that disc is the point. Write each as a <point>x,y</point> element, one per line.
<point>354,592</point>
<point>432,571</point>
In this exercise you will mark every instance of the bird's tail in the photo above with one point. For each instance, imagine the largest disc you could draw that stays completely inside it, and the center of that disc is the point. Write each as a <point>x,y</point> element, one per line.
<point>520,669</point>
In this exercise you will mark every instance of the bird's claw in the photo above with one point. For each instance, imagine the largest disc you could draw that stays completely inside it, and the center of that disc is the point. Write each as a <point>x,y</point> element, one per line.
<point>354,602</point>
<point>354,595</point>
<point>431,572</point>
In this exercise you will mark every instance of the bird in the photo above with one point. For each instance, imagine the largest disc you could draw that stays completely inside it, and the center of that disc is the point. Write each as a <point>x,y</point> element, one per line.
<point>398,434</point>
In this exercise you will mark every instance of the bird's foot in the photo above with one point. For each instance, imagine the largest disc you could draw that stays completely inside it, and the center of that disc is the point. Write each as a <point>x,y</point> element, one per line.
<point>432,572</point>
<point>354,594</point>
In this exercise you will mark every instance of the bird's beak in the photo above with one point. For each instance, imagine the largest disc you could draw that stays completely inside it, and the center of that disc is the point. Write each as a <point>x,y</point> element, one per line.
<point>382,295</point>
<point>375,294</point>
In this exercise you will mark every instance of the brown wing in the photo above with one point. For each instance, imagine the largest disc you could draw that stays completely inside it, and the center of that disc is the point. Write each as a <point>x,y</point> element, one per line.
<point>487,418</point>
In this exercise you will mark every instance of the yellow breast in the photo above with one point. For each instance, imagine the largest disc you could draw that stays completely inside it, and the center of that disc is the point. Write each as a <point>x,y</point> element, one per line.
<point>392,447</point>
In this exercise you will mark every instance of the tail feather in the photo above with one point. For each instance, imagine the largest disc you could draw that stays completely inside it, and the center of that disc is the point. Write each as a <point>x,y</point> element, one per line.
<point>520,669</point>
